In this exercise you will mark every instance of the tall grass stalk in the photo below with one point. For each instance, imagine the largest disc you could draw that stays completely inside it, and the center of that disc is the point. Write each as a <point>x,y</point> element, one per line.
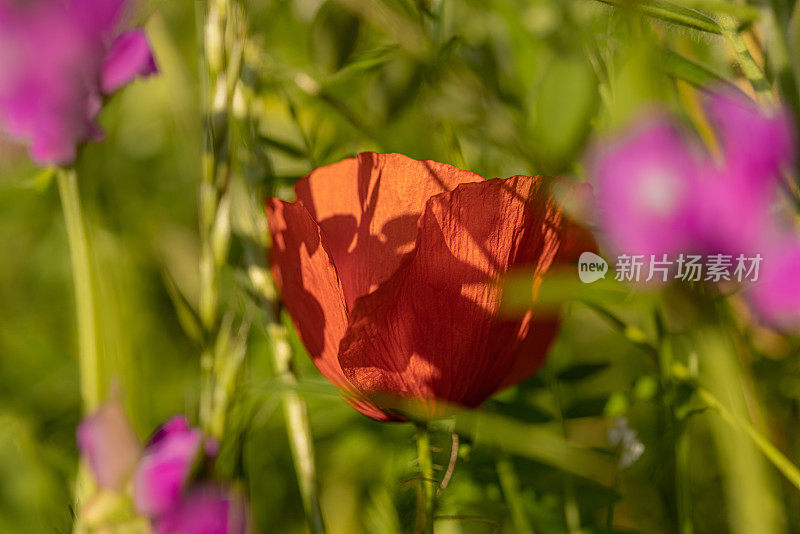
<point>297,429</point>
<point>83,280</point>
<point>85,306</point>
<point>753,505</point>
<point>221,53</point>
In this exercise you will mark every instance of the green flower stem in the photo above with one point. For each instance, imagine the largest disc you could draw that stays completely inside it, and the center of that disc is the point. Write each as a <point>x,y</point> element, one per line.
<point>427,490</point>
<point>80,257</point>
<point>682,488</point>
<point>776,457</point>
<point>510,486</point>
<point>88,353</point>
<point>680,438</point>
<point>297,429</point>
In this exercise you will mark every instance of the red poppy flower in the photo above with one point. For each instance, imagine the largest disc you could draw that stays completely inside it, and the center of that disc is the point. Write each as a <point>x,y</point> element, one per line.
<point>389,268</point>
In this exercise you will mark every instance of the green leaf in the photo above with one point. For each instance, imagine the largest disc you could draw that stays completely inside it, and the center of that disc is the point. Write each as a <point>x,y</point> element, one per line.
<point>670,13</point>
<point>367,61</point>
<point>537,442</point>
<point>41,180</point>
<point>582,371</point>
<point>187,316</point>
<point>334,36</point>
<point>685,69</point>
<point>588,407</point>
<point>564,105</point>
<point>282,146</point>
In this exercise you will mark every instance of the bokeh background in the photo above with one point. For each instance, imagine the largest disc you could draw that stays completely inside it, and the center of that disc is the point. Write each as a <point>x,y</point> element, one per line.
<point>498,87</point>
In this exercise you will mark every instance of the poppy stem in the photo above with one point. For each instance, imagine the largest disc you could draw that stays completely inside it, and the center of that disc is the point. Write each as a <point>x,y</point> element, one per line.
<point>427,489</point>
<point>83,279</point>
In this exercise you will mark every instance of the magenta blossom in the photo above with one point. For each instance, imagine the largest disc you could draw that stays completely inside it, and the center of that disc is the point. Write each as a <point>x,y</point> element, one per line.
<point>164,489</point>
<point>164,470</point>
<point>208,509</point>
<point>59,58</point>
<point>776,295</point>
<point>646,183</point>
<point>660,192</point>
<point>756,145</point>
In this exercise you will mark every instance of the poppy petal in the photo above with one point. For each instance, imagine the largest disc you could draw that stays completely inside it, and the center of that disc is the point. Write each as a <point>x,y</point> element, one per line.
<point>541,331</point>
<point>309,284</point>
<point>431,330</point>
<point>368,207</point>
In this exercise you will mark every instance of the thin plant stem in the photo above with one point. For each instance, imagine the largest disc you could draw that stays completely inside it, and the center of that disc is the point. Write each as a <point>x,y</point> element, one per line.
<point>775,456</point>
<point>426,491</point>
<point>680,438</point>
<point>85,305</point>
<point>510,486</point>
<point>572,513</point>
<point>682,482</point>
<point>83,279</point>
<point>297,430</point>
<point>748,64</point>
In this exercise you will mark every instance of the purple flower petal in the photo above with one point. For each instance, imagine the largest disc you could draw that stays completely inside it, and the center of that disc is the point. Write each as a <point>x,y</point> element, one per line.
<point>52,56</point>
<point>165,467</point>
<point>128,57</point>
<point>755,145</point>
<point>206,510</point>
<point>645,188</point>
<point>776,294</point>
<point>111,447</point>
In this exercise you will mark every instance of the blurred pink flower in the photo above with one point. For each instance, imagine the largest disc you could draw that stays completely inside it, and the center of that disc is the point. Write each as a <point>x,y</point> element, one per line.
<point>646,183</point>
<point>206,509</point>
<point>162,487</point>
<point>737,196</point>
<point>775,297</point>
<point>165,467</point>
<point>110,445</point>
<point>659,192</point>
<point>59,58</point>
<point>756,145</point>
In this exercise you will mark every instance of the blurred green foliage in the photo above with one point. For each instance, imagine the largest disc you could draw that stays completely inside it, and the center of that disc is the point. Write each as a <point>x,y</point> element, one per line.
<point>498,87</point>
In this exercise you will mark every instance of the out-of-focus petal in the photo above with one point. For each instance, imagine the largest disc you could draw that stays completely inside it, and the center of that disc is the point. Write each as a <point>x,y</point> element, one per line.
<point>206,510</point>
<point>431,331</point>
<point>129,56</point>
<point>165,467</point>
<point>776,294</point>
<point>98,18</point>
<point>732,214</point>
<point>52,59</point>
<point>755,144</point>
<point>645,188</point>
<point>368,207</point>
<point>110,445</point>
